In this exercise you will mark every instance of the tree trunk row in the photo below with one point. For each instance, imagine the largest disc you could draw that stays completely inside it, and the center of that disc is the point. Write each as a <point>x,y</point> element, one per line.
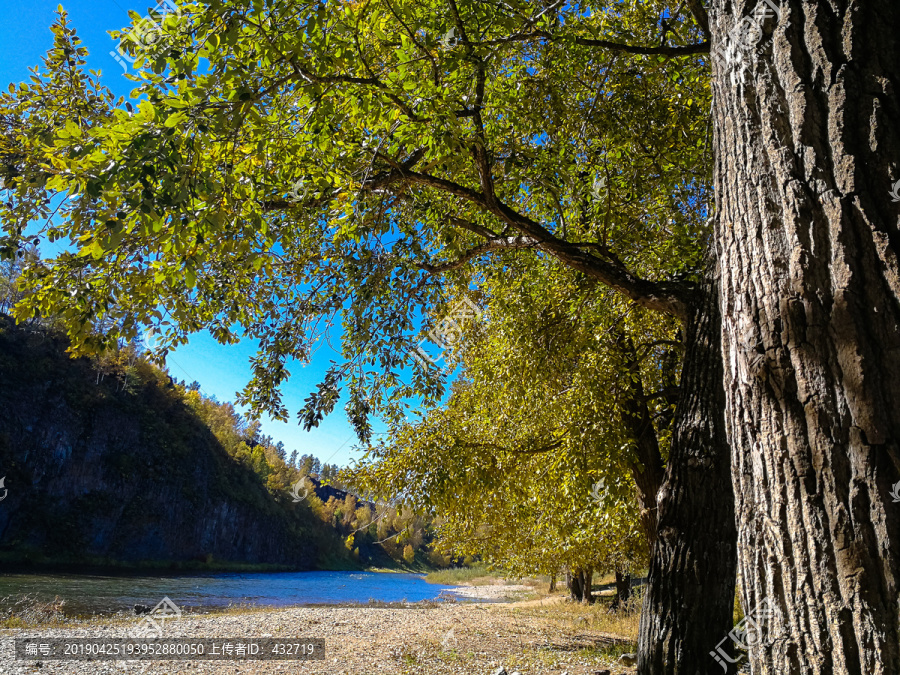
<point>579,582</point>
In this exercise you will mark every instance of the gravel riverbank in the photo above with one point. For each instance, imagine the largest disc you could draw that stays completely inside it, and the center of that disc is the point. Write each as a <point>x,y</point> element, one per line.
<point>427,639</point>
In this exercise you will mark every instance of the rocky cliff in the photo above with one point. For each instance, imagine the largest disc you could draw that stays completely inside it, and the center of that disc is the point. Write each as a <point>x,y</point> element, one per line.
<point>102,472</point>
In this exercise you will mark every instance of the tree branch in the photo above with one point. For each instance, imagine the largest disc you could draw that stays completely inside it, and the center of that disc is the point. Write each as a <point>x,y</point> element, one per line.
<point>665,50</point>
<point>644,349</point>
<point>662,50</point>
<point>498,244</point>
<point>494,446</point>
<point>667,393</point>
<point>669,297</point>
<point>473,227</point>
<point>700,16</point>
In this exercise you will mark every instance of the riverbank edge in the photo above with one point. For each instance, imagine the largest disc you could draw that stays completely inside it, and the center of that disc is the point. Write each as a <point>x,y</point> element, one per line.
<point>18,564</point>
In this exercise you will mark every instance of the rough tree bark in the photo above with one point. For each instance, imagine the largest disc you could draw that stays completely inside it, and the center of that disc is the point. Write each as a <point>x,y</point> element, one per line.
<point>689,600</point>
<point>807,140</point>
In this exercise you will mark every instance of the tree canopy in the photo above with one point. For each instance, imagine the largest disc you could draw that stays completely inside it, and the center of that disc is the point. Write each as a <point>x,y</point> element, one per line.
<point>529,462</point>
<point>286,166</point>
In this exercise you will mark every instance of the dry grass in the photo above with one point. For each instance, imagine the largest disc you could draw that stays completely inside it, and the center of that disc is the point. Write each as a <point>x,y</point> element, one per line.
<point>597,617</point>
<point>26,610</point>
<point>573,635</point>
<point>463,575</point>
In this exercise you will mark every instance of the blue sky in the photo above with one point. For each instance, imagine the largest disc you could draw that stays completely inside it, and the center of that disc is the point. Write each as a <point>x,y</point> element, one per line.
<point>221,370</point>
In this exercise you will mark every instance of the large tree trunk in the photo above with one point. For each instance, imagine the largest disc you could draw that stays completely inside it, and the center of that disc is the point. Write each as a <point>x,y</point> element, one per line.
<point>689,599</point>
<point>808,143</point>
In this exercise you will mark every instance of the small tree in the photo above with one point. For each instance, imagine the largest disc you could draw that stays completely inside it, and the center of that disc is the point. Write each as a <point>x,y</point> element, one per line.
<point>438,559</point>
<point>409,554</point>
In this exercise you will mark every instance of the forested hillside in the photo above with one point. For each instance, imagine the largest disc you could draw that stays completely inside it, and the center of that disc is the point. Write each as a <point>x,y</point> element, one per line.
<point>109,461</point>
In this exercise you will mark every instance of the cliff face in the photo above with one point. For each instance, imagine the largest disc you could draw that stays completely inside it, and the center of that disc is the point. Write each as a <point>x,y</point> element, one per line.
<point>98,473</point>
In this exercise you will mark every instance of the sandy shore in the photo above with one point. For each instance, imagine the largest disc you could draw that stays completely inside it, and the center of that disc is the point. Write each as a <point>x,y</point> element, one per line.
<point>492,592</point>
<point>431,639</point>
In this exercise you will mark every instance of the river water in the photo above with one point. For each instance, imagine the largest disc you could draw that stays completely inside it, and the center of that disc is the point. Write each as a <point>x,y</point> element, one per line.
<point>90,594</point>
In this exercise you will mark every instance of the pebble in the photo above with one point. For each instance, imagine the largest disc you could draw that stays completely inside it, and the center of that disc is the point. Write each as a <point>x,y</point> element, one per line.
<point>391,640</point>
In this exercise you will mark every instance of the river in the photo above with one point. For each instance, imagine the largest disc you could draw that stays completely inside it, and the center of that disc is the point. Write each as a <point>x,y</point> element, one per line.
<point>99,594</point>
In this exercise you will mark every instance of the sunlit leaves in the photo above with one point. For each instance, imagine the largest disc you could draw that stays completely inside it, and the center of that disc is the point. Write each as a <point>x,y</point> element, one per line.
<point>241,102</point>
<point>528,462</point>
